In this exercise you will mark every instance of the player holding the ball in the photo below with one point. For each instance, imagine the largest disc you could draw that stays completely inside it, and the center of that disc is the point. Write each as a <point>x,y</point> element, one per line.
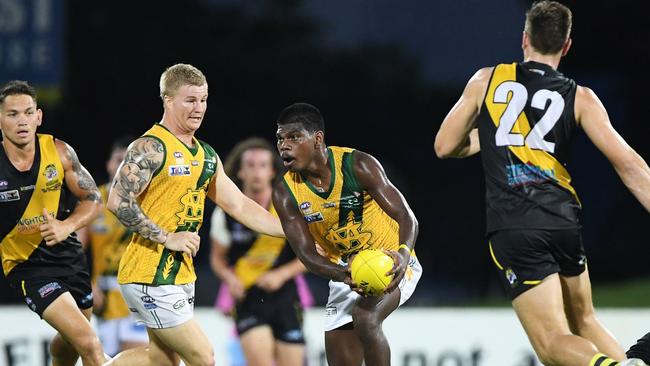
<point>341,199</point>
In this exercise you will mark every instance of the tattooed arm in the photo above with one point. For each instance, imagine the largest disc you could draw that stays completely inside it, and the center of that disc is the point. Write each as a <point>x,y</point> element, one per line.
<point>82,186</point>
<point>143,158</point>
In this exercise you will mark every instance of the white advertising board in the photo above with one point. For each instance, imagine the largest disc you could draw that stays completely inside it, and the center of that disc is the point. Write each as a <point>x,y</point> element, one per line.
<point>418,336</point>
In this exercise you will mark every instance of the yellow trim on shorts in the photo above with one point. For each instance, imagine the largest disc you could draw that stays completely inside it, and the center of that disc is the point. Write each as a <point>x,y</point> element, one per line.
<point>537,282</point>
<point>494,258</point>
<point>22,284</point>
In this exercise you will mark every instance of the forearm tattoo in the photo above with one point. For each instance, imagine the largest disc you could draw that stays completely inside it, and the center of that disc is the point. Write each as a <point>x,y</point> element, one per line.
<point>85,181</point>
<point>141,161</point>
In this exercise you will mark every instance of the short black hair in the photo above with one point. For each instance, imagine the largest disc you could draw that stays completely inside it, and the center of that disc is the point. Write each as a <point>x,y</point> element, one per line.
<point>17,87</point>
<point>122,143</point>
<point>548,24</point>
<point>305,114</point>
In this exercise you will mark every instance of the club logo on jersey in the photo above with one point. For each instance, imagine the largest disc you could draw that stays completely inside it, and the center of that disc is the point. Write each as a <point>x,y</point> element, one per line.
<point>48,289</point>
<point>315,217</point>
<point>8,196</point>
<point>179,170</point>
<point>511,277</point>
<point>3,184</point>
<point>50,172</point>
<point>348,238</point>
<point>191,214</point>
<point>211,163</point>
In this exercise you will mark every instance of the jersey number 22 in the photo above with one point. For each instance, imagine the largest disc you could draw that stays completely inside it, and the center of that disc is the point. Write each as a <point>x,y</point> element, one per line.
<point>535,138</point>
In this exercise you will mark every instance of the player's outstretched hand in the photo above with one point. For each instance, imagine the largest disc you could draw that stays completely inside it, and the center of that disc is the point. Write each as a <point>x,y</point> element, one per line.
<point>52,230</point>
<point>399,269</point>
<point>184,241</point>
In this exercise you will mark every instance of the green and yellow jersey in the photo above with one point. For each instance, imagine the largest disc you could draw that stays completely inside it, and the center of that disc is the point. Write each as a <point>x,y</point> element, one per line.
<point>174,200</point>
<point>344,219</point>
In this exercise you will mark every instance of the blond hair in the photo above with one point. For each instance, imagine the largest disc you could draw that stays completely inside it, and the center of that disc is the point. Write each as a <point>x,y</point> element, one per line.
<point>178,75</point>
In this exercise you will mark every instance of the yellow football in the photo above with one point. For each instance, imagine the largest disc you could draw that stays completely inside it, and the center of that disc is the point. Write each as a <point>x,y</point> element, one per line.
<point>369,268</point>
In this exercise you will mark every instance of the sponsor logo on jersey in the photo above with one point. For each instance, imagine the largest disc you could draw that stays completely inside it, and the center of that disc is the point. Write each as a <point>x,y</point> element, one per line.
<point>48,289</point>
<point>30,224</point>
<point>27,188</point>
<point>315,217</point>
<point>521,174</point>
<point>8,196</point>
<point>190,300</point>
<point>351,201</point>
<point>195,163</point>
<point>3,184</point>
<point>179,170</point>
<point>179,304</point>
<point>329,204</point>
<point>305,207</point>
<point>330,311</point>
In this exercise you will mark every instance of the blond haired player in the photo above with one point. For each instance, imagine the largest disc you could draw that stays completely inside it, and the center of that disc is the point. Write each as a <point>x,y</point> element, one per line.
<point>341,198</point>
<point>526,114</point>
<point>159,193</point>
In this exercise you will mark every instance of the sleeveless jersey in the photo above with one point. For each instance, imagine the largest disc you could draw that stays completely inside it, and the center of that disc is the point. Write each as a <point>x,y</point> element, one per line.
<point>108,241</point>
<point>174,200</point>
<point>345,219</point>
<point>23,195</point>
<point>525,128</point>
<point>252,254</point>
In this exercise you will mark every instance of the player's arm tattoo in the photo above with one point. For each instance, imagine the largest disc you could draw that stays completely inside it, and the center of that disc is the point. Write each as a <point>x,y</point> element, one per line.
<point>85,181</point>
<point>141,162</point>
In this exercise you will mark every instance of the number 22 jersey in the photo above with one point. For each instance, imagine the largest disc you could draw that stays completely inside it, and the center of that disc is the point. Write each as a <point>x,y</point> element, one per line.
<point>525,126</point>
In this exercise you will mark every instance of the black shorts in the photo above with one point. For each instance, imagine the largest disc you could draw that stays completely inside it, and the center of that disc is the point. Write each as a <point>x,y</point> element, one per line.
<point>40,291</point>
<point>280,310</point>
<point>525,257</point>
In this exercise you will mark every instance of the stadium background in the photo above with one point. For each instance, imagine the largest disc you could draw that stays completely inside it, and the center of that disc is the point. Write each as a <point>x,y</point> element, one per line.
<point>384,74</point>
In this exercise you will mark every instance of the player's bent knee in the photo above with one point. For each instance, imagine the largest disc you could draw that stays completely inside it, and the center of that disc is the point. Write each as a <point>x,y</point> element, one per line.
<point>60,349</point>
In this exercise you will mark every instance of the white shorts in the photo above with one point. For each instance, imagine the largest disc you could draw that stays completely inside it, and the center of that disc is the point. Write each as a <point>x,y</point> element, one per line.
<point>341,299</point>
<point>116,331</point>
<point>159,307</point>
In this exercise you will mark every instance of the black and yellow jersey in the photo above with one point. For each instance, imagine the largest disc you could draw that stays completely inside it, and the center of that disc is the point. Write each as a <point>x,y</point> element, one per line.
<point>174,200</point>
<point>525,126</point>
<point>23,195</point>
<point>252,254</point>
<point>344,219</point>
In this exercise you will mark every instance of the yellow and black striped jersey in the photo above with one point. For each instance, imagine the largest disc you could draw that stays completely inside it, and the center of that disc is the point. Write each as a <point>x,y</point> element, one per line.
<point>525,127</point>
<point>23,195</point>
<point>174,200</point>
<point>344,219</point>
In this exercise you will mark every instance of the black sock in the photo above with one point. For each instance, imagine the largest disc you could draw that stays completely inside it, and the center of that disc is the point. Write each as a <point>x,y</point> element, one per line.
<point>641,349</point>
